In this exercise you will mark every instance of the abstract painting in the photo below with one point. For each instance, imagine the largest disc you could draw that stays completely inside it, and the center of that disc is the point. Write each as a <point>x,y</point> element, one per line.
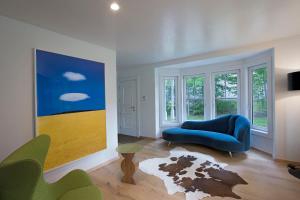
<point>70,106</point>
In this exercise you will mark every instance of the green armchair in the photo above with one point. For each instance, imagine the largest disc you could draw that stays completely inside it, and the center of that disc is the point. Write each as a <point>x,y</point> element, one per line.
<point>21,177</point>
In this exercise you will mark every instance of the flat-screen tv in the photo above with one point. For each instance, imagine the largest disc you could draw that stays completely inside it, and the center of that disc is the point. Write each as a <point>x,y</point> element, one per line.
<point>294,81</point>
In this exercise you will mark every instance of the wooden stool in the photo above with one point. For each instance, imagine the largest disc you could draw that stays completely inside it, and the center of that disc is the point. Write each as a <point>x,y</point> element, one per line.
<point>128,167</point>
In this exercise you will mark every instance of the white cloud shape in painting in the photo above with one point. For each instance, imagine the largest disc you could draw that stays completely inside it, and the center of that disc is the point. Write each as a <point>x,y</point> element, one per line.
<point>72,76</point>
<point>73,97</point>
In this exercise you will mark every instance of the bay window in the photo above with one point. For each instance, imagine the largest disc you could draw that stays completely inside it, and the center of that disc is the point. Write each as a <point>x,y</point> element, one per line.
<point>170,99</point>
<point>226,93</point>
<point>258,95</point>
<point>194,97</point>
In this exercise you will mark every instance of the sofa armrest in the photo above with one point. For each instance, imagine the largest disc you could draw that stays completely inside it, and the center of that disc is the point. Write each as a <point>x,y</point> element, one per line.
<point>242,131</point>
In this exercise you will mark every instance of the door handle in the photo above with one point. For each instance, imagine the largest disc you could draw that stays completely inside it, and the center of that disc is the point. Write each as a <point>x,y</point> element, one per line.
<point>133,108</point>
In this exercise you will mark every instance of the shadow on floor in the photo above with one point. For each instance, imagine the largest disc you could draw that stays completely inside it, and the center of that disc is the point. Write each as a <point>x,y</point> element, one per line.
<point>124,139</point>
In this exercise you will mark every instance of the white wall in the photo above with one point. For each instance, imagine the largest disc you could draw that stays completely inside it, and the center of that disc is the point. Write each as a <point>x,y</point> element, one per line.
<point>147,113</point>
<point>17,41</point>
<point>287,106</point>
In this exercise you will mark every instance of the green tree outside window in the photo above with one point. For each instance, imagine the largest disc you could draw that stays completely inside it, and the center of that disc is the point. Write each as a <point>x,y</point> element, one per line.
<point>226,93</point>
<point>194,89</point>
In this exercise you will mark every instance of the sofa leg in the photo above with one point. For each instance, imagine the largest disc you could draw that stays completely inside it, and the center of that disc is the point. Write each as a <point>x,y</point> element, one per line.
<point>230,154</point>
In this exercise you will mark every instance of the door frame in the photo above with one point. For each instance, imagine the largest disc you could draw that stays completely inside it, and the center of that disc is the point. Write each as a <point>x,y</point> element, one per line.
<point>260,135</point>
<point>137,80</point>
<point>256,65</point>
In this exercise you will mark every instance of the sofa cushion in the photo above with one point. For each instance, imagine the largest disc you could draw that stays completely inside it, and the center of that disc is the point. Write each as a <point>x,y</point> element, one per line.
<point>220,125</point>
<point>208,138</point>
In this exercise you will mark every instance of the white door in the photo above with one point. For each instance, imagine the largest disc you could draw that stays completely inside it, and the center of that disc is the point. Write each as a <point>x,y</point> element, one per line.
<point>128,107</point>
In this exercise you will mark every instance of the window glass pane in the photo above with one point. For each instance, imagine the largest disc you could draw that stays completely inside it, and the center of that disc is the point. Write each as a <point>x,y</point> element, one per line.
<point>194,97</point>
<point>259,98</point>
<point>226,94</point>
<point>170,99</point>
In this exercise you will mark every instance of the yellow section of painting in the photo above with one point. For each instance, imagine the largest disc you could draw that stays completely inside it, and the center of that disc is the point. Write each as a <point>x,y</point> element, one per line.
<point>73,135</point>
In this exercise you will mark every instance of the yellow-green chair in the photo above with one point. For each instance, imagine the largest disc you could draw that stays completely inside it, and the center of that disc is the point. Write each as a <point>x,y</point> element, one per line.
<point>21,177</point>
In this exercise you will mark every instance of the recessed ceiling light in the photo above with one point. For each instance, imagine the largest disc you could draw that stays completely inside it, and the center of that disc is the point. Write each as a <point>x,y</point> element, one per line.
<point>114,6</point>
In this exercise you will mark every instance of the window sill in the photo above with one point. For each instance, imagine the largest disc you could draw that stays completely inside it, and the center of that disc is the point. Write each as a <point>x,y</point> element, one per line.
<point>261,133</point>
<point>195,120</point>
<point>170,125</point>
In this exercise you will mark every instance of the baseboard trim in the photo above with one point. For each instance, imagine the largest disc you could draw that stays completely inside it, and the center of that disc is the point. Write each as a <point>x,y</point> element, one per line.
<point>103,164</point>
<point>261,151</point>
<point>286,161</point>
<point>86,164</point>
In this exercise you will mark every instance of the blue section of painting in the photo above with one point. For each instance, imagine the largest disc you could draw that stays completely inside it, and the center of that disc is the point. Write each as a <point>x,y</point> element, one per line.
<point>67,84</point>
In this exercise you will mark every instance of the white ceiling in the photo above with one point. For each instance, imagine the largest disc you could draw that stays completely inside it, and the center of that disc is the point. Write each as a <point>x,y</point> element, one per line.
<point>150,31</point>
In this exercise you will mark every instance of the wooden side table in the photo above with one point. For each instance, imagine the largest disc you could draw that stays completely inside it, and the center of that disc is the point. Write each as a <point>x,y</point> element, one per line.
<point>127,166</point>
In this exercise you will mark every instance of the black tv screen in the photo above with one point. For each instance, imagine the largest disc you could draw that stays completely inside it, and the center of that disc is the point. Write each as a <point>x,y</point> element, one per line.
<point>294,81</point>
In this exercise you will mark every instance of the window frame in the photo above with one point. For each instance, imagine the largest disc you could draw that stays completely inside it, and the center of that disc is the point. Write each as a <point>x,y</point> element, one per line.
<point>184,113</point>
<point>164,122</point>
<point>267,62</point>
<point>213,85</point>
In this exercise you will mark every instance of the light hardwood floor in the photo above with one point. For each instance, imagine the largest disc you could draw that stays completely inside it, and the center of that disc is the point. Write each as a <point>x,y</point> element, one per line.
<point>266,178</point>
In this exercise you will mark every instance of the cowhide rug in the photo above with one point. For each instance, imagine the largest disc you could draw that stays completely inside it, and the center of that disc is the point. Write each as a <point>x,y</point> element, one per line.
<point>197,175</point>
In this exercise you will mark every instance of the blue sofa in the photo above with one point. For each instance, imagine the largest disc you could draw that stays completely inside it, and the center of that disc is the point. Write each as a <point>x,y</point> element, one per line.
<point>229,133</point>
